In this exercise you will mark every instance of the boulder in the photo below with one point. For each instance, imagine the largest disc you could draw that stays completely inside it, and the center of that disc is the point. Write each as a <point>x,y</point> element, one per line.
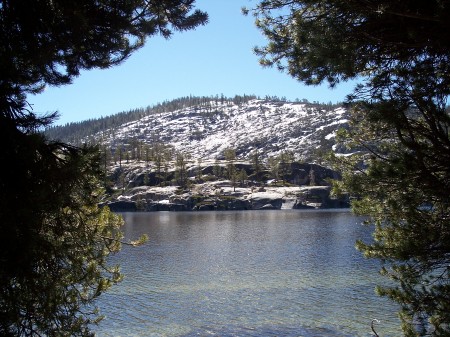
<point>268,206</point>
<point>165,206</point>
<point>205,207</point>
<point>260,202</point>
<point>318,197</point>
<point>122,206</point>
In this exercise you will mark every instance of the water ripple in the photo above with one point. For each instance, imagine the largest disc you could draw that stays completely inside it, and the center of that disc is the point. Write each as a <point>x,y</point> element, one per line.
<point>245,274</point>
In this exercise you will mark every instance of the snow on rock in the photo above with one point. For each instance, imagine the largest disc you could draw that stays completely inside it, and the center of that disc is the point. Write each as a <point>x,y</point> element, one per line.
<point>206,197</point>
<point>205,131</point>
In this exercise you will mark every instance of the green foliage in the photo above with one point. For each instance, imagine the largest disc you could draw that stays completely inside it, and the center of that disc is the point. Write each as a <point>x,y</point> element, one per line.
<point>284,162</point>
<point>181,170</point>
<point>230,157</point>
<point>406,196</point>
<point>399,173</point>
<point>361,32</point>
<point>272,164</point>
<point>242,177</point>
<point>217,169</point>
<point>54,240</point>
<point>257,165</point>
<point>54,237</point>
<point>34,54</point>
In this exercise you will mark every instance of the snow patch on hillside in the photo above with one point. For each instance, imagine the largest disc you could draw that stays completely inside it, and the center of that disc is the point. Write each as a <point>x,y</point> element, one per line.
<point>206,131</point>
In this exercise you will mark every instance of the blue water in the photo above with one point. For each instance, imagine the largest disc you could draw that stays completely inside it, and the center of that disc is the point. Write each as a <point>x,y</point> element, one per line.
<point>248,273</point>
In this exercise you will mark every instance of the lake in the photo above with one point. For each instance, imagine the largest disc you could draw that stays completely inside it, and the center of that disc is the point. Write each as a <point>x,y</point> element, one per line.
<point>246,273</point>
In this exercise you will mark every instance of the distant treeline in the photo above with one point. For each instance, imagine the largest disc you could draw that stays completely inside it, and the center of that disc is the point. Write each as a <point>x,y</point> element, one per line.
<point>75,132</point>
<point>78,132</point>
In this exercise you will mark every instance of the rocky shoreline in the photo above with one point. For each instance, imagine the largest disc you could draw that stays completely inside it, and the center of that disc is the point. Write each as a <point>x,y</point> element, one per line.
<point>221,195</point>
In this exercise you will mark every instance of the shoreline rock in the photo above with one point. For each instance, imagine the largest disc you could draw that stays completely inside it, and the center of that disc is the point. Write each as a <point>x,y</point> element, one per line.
<point>217,197</point>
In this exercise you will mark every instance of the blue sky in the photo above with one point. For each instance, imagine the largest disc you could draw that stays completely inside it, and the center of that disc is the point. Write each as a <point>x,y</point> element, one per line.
<point>213,59</point>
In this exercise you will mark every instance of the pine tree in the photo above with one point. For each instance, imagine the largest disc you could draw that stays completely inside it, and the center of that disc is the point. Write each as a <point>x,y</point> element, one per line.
<point>230,157</point>
<point>181,169</point>
<point>257,165</point>
<point>50,221</point>
<point>217,170</point>
<point>55,239</point>
<point>198,175</point>
<point>285,160</point>
<point>242,177</point>
<point>34,54</point>
<point>147,155</point>
<point>159,165</point>
<point>273,164</point>
<point>401,52</point>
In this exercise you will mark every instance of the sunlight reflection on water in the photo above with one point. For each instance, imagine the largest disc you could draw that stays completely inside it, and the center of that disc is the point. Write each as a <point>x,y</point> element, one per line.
<point>266,273</point>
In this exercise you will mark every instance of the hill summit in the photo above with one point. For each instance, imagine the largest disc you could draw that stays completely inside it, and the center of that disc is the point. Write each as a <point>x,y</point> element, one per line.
<point>214,153</point>
<point>204,127</point>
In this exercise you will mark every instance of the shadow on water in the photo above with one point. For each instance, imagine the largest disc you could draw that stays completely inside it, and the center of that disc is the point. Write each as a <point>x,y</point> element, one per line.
<point>266,331</point>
